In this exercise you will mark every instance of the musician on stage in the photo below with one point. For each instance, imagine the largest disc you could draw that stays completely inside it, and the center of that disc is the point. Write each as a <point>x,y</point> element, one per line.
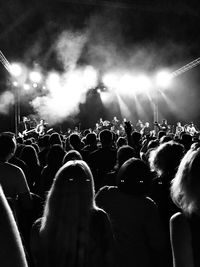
<point>163,126</point>
<point>24,126</point>
<point>179,129</point>
<point>146,130</point>
<point>41,128</point>
<point>191,129</point>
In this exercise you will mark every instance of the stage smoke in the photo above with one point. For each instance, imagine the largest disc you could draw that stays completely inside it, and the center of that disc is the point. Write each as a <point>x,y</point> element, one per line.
<point>6,100</point>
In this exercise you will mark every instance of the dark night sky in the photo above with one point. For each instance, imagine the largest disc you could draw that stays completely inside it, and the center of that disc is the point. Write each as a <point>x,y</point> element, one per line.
<point>155,33</point>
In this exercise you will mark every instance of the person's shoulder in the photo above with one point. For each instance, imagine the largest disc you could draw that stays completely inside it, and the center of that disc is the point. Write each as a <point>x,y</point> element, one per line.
<point>178,218</point>
<point>12,167</point>
<point>99,217</point>
<point>106,190</point>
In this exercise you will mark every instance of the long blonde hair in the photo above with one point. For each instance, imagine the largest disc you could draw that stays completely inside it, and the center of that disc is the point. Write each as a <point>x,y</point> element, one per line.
<point>65,223</point>
<point>185,187</point>
<point>12,252</point>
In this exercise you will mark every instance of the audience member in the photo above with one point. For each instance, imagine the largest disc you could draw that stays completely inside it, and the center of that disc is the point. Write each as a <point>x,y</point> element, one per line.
<point>184,225</point>
<point>12,252</point>
<point>72,231</point>
<point>140,238</point>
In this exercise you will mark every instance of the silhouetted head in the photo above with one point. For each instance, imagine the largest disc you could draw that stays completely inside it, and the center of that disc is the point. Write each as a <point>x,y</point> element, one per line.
<point>134,177</point>
<point>166,158</point>
<point>124,153</point>
<point>106,137</point>
<point>185,188</point>
<point>7,146</point>
<point>72,155</point>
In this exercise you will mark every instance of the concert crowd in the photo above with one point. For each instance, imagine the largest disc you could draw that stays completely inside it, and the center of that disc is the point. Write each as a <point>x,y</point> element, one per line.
<point>120,194</point>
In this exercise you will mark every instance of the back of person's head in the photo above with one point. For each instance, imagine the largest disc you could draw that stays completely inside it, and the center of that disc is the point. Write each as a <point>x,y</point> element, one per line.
<point>86,132</point>
<point>55,139</point>
<point>185,188</point>
<point>43,141</point>
<point>55,155</point>
<point>7,146</point>
<point>91,139</point>
<point>106,137</point>
<point>124,153</point>
<point>72,155</point>
<point>121,141</point>
<point>186,140</point>
<point>74,140</point>
<point>29,155</point>
<point>134,177</point>
<point>161,134</point>
<point>66,215</point>
<point>166,158</point>
<point>136,137</point>
<point>165,139</point>
<point>12,252</point>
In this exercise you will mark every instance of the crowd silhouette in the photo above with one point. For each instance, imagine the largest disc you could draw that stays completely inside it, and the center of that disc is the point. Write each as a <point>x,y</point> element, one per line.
<point>100,197</point>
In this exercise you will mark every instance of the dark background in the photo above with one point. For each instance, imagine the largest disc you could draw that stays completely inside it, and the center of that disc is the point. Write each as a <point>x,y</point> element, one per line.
<point>155,34</point>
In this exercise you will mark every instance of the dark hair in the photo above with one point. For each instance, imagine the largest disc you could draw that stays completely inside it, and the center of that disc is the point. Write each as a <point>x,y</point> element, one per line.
<point>124,153</point>
<point>134,177</point>
<point>55,155</point>
<point>106,137</point>
<point>7,146</point>
<point>72,155</point>
<point>91,138</point>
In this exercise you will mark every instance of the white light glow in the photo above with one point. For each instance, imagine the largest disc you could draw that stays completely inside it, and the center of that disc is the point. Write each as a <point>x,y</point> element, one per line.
<point>163,79</point>
<point>15,69</point>
<point>35,85</point>
<point>15,83</point>
<point>143,83</point>
<point>27,86</point>
<point>110,80</point>
<point>90,77</point>
<point>35,76</point>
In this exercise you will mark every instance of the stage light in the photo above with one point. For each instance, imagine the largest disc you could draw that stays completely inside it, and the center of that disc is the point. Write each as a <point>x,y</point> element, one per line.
<point>15,83</point>
<point>143,83</point>
<point>35,85</point>
<point>126,84</point>
<point>15,69</point>
<point>110,80</point>
<point>35,76</point>
<point>90,77</point>
<point>26,86</point>
<point>163,79</point>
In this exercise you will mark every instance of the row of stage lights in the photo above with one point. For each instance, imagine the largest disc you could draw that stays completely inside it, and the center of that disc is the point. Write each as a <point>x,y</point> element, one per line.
<point>120,82</point>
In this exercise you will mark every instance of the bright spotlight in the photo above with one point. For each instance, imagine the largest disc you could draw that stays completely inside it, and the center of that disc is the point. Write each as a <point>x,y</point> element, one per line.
<point>143,83</point>
<point>163,79</point>
<point>126,84</point>
<point>26,86</point>
<point>15,83</point>
<point>110,80</point>
<point>15,69</point>
<point>90,77</point>
<point>35,85</point>
<point>35,76</point>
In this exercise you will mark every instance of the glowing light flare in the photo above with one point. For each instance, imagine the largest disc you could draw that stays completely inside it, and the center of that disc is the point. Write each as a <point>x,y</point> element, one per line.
<point>110,80</point>
<point>35,76</point>
<point>163,79</point>
<point>90,77</point>
<point>126,84</point>
<point>35,85</point>
<point>143,83</point>
<point>15,83</point>
<point>16,70</point>
<point>26,86</point>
